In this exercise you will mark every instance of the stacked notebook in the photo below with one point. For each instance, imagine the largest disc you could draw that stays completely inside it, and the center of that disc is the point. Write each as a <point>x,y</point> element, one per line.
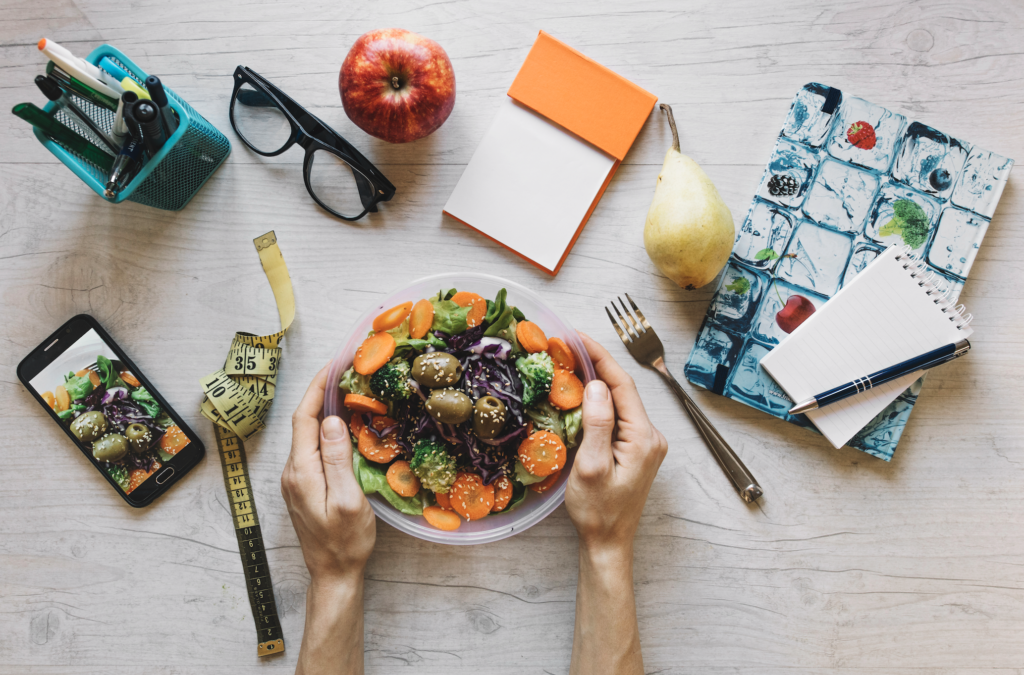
<point>847,179</point>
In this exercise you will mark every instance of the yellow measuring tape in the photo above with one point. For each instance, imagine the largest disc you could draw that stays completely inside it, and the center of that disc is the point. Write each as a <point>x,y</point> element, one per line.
<point>238,397</point>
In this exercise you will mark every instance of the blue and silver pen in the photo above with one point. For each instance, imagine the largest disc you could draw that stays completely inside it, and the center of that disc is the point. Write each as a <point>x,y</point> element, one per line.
<point>922,362</point>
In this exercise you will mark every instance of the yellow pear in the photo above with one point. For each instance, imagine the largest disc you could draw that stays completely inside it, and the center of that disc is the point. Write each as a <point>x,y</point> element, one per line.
<point>689,231</point>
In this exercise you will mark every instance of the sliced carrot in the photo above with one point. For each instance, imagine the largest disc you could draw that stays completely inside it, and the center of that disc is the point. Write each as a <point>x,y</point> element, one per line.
<point>502,494</point>
<point>375,351</point>
<point>542,453</point>
<point>566,390</point>
<point>50,400</point>
<point>546,484</point>
<point>470,498</point>
<point>63,400</point>
<point>126,377</point>
<point>561,354</point>
<point>443,500</point>
<point>173,440</point>
<point>359,403</point>
<point>356,424</point>
<point>531,337</point>
<point>421,319</point>
<point>402,480</point>
<point>477,305</point>
<point>441,519</point>
<point>393,317</point>
<point>378,449</point>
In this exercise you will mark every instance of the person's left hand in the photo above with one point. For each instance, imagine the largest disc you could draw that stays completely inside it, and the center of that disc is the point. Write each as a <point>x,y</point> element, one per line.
<point>333,519</point>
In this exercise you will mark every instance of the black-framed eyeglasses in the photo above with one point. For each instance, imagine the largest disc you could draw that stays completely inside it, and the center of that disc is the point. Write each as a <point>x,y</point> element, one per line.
<point>337,175</point>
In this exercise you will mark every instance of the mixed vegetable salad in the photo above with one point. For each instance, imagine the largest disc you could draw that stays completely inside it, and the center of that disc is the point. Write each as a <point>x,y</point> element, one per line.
<point>118,421</point>
<point>460,405</point>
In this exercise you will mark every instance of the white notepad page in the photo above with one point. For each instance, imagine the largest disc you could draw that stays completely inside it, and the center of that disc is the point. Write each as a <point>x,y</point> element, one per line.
<point>529,184</point>
<point>881,318</point>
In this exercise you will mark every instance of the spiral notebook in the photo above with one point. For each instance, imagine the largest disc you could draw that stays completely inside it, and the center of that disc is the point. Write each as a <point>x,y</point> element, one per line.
<point>894,310</point>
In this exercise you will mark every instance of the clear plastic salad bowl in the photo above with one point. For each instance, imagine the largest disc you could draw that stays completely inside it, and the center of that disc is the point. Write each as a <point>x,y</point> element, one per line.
<point>536,506</point>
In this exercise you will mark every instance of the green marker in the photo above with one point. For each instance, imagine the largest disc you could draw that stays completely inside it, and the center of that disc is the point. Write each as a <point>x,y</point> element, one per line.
<point>80,88</point>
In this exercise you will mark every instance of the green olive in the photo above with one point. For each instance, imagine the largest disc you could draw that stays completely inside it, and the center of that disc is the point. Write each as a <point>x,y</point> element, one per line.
<point>489,417</point>
<point>110,448</point>
<point>139,437</point>
<point>436,369</point>
<point>89,426</point>
<point>449,406</point>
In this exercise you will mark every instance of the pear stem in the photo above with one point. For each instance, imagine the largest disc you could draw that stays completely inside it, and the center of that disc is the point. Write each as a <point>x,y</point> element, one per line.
<point>672,125</point>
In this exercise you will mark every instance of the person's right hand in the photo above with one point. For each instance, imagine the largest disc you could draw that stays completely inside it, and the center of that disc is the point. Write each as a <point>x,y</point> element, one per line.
<point>333,519</point>
<point>616,461</point>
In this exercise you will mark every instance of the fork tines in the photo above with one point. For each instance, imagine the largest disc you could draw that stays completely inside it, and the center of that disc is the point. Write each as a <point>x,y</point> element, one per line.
<point>635,327</point>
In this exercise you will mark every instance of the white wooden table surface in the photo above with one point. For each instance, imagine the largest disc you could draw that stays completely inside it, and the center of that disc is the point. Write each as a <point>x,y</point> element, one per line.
<point>848,564</point>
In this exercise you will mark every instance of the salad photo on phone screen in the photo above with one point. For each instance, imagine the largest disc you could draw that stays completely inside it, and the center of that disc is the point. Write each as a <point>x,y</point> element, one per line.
<point>109,411</point>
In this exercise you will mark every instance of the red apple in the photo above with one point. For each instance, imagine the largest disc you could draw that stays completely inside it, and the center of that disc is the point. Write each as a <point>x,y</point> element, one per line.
<point>397,85</point>
<point>796,311</point>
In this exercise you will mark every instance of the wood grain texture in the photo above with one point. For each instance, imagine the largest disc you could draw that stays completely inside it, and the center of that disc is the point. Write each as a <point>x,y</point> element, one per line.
<point>848,565</point>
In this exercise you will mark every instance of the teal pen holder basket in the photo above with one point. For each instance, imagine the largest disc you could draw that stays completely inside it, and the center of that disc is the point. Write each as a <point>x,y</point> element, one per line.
<point>171,177</point>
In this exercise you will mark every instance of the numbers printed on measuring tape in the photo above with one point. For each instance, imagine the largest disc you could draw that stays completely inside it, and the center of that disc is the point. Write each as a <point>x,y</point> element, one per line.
<point>238,398</point>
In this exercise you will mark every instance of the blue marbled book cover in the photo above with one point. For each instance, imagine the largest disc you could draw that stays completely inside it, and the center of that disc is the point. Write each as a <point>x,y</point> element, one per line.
<point>846,179</point>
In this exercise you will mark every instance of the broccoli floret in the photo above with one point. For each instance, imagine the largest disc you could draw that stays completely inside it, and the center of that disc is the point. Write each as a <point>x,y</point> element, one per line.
<point>537,370</point>
<point>354,383</point>
<point>433,465</point>
<point>391,381</point>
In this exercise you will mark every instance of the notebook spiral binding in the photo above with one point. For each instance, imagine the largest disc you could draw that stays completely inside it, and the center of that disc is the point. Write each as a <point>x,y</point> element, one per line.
<point>933,284</point>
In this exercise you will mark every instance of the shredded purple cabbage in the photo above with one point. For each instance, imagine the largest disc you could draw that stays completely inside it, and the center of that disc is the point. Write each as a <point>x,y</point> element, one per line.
<point>486,376</point>
<point>462,341</point>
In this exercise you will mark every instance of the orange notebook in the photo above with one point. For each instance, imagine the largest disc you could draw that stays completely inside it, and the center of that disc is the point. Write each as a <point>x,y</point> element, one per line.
<point>549,154</point>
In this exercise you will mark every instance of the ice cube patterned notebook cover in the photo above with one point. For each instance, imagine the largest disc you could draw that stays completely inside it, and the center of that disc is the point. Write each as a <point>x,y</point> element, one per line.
<point>846,179</point>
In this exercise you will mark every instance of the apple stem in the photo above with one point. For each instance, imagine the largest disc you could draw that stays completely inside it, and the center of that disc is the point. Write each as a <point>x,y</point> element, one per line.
<point>394,83</point>
<point>672,125</point>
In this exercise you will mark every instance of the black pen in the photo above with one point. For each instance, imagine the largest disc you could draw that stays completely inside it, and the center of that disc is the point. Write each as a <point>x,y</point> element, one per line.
<point>159,96</point>
<point>923,362</point>
<point>148,116</point>
<point>126,165</point>
<point>55,93</point>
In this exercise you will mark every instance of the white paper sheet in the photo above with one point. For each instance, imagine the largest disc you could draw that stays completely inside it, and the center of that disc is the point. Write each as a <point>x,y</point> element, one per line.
<point>529,184</point>
<point>881,318</point>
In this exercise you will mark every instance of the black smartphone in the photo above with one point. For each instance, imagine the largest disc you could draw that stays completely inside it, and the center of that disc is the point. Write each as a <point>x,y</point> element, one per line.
<point>115,416</point>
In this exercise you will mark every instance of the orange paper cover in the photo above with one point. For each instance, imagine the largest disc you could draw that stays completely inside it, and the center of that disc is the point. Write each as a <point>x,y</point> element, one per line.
<point>578,93</point>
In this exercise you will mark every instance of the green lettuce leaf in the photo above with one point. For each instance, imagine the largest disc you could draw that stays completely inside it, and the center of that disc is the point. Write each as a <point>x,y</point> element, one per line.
<point>524,476</point>
<point>108,374</point>
<point>407,346</point>
<point>571,420</point>
<point>354,383</point>
<point>146,400</point>
<point>449,317</point>
<point>77,387</point>
<point>509,333</point>
<point>163,420</point>
<point>545,416</point>
<point>373,480</point>
<point>70,412</point>
<point>499,314</point>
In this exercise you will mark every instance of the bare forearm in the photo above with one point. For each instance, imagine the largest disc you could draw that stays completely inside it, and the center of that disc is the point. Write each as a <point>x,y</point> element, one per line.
<point>606,639</point>
<point>332,643</point>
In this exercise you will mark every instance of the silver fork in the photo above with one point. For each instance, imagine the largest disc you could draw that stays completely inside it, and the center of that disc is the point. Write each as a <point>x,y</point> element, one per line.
<point>645,346</point>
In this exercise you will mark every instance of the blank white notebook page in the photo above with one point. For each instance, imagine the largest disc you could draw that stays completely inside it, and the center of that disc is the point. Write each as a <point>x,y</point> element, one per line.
<point>881,318</point>
<point>529,184</point>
